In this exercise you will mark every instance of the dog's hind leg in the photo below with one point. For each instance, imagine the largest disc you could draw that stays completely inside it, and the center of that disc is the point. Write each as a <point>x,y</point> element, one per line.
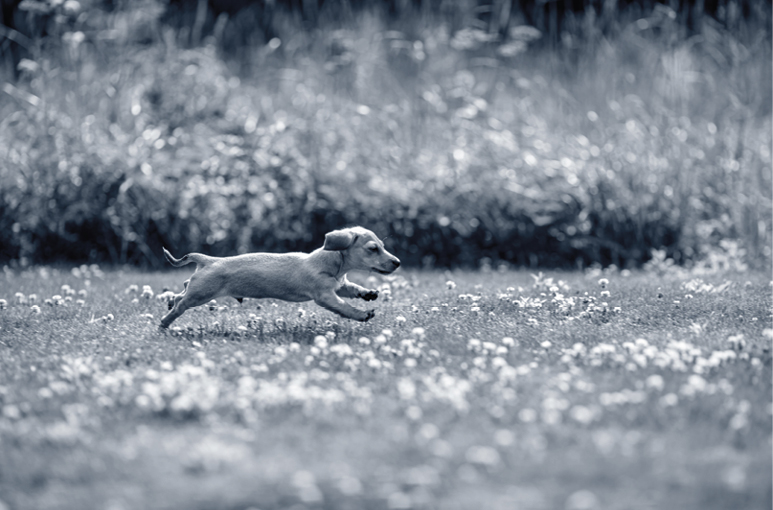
<point>172,302</point>
<point>183,301</point>
<point>171,316</point>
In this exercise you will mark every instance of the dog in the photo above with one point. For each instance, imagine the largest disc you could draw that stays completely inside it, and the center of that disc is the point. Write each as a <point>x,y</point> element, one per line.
<point>319,276</point>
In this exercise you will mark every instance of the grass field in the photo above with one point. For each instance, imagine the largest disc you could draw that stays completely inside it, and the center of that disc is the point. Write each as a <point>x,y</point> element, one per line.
<point>480,390</point>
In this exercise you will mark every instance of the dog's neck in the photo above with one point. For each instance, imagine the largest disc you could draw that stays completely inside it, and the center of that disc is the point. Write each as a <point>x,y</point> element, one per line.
<point>341,265</point>
<point>333,262</point>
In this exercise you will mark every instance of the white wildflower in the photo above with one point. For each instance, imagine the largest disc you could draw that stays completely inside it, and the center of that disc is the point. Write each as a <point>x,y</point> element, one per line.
<point>737,341</point>
<point>655,382</point>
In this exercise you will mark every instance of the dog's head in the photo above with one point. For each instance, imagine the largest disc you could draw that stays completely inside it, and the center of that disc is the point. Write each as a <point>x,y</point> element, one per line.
<point>364,251</point>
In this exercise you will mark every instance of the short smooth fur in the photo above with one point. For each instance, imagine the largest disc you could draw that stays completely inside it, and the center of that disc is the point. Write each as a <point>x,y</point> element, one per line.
<point>319,276</point>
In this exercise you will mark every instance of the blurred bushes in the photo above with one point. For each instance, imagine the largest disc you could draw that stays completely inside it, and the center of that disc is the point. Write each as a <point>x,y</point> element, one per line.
<point>122,134</point>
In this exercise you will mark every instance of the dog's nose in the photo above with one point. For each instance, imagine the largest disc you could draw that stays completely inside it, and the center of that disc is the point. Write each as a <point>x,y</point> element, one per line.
<point>396,262</point>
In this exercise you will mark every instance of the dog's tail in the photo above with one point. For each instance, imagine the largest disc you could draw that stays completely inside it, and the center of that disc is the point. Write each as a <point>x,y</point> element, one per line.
<point>198,258</point>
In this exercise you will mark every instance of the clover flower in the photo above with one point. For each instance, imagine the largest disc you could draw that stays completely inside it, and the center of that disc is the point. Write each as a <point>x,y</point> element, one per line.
<point>418,332</point>
<point>738,421</point>
<point>498,362</point>
<point>602,349</point>
<point>483,455</point>
<point>504,437</point>
<point>655,382</point>
<point>349,485</point>
<point>527,415</point>
<point>342,350</point>
<point>737,342</point>
<point>414,413</point>
<point>582,414</point>
<point>625,396</point>
<point>11,411</point>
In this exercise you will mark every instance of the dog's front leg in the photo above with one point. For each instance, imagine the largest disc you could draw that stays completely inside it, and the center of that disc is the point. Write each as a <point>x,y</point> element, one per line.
<point>352,290</point>
<point>332,302</point>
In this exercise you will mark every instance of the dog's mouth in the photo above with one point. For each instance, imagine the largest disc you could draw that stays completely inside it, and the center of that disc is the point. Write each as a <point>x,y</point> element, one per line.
<point>393,265</point>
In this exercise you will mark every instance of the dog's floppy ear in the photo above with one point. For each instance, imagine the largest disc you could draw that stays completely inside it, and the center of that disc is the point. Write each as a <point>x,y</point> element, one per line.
<point>338,240</point>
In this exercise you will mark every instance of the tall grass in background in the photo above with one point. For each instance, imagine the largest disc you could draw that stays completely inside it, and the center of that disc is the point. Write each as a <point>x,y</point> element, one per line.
<point>465,140</point>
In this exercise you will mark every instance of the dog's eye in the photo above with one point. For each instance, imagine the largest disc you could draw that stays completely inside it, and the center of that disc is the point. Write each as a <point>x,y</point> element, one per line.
<point>373,248</point>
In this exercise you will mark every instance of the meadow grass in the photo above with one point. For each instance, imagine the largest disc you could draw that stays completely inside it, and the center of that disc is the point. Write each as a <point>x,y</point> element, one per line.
<point>492,389</point>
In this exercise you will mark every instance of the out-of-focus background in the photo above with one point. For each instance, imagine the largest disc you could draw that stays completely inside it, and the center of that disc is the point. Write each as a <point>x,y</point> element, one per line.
<point>532,133</point>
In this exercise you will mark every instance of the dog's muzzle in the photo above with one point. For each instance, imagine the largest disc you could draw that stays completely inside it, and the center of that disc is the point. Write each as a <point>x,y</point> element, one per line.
<point>395,264</point>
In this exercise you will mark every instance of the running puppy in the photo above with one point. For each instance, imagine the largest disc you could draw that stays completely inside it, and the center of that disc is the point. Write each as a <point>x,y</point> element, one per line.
<point>319,275</point>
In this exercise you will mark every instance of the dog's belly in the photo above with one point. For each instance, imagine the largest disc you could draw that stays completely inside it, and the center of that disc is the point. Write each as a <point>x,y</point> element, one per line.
<point>267,289</point>
<point>284,296</point>
<point>269,276</point>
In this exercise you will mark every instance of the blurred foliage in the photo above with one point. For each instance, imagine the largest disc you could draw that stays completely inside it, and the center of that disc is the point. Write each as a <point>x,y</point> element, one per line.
<point>463,138</point>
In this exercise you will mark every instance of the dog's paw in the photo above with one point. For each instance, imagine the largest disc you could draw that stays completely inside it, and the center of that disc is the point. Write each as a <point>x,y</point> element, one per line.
<point>370,295</point>
<point>369,314</point>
